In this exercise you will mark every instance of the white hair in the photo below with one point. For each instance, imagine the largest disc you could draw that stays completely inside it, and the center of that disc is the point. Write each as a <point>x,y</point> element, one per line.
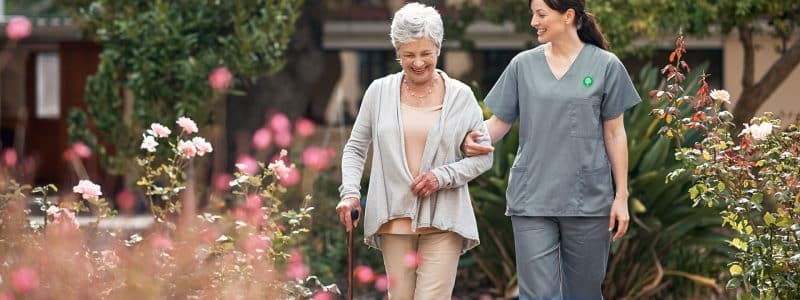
<point>415,21</point>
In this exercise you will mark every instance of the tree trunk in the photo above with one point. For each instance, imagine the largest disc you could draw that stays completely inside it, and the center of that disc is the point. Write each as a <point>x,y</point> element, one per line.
<point>301,89</point>
<point>754,94</point>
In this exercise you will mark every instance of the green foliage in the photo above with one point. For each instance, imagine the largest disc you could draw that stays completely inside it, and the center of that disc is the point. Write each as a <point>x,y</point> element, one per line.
<point>623,21</point>
<point>753,177</point>
<point>157,56</point>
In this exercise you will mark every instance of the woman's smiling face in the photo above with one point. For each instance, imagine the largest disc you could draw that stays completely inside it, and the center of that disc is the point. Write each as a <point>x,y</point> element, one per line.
<point>418,59</point>
<point>549,23</point>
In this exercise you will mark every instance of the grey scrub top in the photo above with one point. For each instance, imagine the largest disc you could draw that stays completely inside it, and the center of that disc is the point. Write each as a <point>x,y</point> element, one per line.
<point>561,168</point>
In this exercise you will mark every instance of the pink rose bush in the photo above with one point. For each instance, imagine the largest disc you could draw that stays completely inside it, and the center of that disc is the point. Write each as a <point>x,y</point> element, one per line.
<point>254,234</point>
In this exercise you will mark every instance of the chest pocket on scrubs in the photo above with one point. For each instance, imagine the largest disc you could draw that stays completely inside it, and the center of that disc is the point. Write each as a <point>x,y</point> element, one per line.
<point>584,116</point>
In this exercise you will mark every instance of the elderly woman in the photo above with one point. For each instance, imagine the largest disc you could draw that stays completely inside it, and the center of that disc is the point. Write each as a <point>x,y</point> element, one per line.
<point>418,205</point>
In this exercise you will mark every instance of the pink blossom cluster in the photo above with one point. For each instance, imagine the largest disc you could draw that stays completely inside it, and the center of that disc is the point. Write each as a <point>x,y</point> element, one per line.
<point>287,175</point>
<point>197,146</point>
<point>279,131</point>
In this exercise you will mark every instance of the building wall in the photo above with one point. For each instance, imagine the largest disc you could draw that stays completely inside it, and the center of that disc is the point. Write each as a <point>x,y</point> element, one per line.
<point>785,101</point>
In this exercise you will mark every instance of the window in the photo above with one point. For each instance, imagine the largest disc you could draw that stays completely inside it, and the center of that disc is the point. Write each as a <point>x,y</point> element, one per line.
<point>48,93</point>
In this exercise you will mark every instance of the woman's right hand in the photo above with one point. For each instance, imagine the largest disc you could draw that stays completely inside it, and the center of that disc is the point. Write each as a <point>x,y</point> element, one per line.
<point>471,147</point>
<point>344,208</point>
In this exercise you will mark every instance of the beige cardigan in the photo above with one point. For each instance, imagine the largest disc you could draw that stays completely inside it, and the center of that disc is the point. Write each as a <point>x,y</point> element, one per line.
<point>389,195</point>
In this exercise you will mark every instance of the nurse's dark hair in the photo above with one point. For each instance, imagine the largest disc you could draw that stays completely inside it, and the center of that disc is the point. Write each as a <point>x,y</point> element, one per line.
<point>588,29</point>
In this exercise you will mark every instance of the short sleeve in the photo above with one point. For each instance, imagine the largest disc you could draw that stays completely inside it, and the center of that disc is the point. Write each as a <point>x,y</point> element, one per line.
<point>619,93</point>
<point>503,99</point>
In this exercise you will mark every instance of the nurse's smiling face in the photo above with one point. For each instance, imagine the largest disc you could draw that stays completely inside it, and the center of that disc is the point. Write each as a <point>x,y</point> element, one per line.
<point>549,23</point>
<point>418,59</point>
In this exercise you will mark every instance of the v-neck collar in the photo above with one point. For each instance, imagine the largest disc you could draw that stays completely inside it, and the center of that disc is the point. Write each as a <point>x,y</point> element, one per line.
<point>571,65</point>
<point>436,126</point>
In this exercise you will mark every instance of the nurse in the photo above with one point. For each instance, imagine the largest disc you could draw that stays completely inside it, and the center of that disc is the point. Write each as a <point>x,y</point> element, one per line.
<point>567,190</point>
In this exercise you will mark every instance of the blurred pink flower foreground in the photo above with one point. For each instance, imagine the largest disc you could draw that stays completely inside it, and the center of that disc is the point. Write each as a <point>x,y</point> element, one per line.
<point>220,78</point>
<point>18,28</point>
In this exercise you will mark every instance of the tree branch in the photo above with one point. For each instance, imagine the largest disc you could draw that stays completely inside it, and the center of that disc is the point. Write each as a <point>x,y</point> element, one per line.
<point>754,96</point>
<point>746,37</point>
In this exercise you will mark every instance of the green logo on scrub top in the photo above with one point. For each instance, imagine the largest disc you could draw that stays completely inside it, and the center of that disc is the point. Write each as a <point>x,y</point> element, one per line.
<point>587,81</point>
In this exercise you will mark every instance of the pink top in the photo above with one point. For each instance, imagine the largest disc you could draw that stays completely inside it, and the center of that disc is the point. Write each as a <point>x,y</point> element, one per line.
<point>417,122</point>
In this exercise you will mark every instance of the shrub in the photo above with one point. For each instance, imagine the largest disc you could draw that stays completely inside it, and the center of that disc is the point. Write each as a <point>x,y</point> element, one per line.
<point>752,176</point>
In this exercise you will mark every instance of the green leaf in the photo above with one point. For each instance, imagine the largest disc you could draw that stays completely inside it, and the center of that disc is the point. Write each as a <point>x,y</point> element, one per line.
<point>734,283</point>
<point>693,192</point>
<point>769,219</point>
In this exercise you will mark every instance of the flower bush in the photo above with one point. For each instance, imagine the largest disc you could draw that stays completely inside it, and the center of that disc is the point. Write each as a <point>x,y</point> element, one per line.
<point>752,176</point>
<point>242,245</point>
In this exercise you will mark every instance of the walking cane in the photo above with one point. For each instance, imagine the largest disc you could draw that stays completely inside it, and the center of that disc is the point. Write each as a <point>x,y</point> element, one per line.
<point>354,217</point>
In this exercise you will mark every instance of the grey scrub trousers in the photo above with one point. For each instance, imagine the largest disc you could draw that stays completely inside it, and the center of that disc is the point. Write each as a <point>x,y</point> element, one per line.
<point>560,189</point>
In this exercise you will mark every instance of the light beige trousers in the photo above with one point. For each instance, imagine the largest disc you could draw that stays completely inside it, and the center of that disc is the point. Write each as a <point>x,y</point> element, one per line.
<point>434,276</point>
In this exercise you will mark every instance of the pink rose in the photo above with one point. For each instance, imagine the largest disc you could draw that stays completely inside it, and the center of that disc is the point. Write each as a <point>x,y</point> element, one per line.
<point>187,149</point>
<point>305,127</point>
<point>10,157</point>
<point>292,178</point>
<point>316,158</point>
<point>364,274</point>
<point>202,146</point>
<point>158,130</point>
<point>187,125</point>
<point>283,139</point>
<point>247,164</point>
<point>297,271</point>
<point>87,189</point>
<point>18,28</point>
<point>222,182</point>
<point>262,138</point>
<point>81,150</point>
<point>24,279</point>
<point>220,78</point>
<point>280,169</point>
<point>149,143</point>
<point>382,283</point>
<point>280,123</point>
<point>126,201</point>
<point>412,260</point>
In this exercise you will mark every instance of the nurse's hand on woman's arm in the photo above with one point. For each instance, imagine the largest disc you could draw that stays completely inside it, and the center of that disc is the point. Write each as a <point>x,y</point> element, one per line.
<point>425,184</point>
<point>344,208</point>
<point>497,130</point>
